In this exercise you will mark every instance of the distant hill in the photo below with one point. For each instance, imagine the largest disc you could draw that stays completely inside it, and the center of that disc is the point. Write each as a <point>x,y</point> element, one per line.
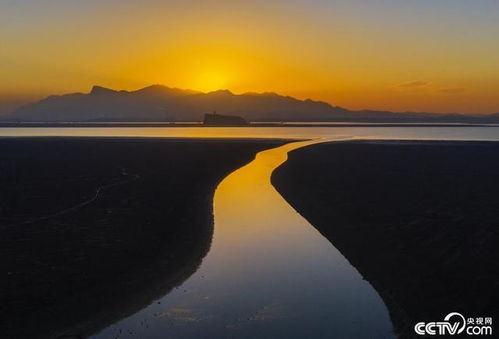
<point>161,103</point>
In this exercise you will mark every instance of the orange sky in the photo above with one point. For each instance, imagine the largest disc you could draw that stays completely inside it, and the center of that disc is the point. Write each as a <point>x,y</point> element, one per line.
<point>380,54</point>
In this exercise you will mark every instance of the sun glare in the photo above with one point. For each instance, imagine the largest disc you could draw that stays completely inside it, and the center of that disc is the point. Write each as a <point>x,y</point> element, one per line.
<point>211,81</point>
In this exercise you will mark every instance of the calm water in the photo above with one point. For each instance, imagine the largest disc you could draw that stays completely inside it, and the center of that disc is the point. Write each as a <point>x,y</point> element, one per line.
<point>268,273</point>
<point>456,133</point>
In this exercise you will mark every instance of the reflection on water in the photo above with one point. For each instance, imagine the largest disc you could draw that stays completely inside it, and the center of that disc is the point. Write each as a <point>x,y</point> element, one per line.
<point>455,133</point>
<point>268,274</point>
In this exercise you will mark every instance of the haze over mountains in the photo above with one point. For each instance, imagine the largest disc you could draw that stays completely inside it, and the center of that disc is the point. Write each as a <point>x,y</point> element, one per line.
<point>161,103</point>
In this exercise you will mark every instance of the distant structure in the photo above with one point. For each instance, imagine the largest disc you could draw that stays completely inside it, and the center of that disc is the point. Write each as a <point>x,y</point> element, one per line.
<point>214,119</point>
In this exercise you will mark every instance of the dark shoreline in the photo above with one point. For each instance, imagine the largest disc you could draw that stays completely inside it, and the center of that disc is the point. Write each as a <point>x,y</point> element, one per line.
<point>417,219</point>
<point>94,229</point>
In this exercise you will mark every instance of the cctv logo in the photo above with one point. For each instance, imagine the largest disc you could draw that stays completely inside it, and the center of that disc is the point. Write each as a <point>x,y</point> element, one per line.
<point>454,323</point>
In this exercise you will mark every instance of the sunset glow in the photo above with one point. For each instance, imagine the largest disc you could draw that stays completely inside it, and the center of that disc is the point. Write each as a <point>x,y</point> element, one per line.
<point>211,81</point>
<point>396,55</point>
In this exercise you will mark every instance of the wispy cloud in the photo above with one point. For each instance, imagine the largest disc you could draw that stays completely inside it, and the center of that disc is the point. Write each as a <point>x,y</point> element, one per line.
<point>413,84</point>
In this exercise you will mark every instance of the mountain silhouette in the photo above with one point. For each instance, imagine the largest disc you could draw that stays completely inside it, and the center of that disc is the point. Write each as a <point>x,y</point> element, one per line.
<point>162,103</point>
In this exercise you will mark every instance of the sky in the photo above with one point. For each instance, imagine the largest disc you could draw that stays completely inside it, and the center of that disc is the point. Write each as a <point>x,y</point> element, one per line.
<point>400,55</point>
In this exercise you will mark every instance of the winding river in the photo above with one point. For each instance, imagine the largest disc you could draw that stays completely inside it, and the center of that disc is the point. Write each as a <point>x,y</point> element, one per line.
<point>268,274</point>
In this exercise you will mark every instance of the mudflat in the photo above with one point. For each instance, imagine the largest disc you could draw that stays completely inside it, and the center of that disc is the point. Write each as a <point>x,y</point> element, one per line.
<point>93,229</point>
<point>419,220</point>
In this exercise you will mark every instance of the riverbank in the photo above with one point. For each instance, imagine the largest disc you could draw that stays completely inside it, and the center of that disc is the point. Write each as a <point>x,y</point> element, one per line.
<point>95,229</point>
<point>417,219</point>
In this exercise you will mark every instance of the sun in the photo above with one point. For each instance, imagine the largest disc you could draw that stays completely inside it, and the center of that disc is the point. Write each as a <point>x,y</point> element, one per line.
<point>211,81</point>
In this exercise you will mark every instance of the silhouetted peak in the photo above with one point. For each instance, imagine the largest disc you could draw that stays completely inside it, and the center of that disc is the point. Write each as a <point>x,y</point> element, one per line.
<point>162,103</point>
<point>221,92</point>
<point>99,90</point>
<point>264,94</point>
<point>154,89</point>
<point>161,89</point>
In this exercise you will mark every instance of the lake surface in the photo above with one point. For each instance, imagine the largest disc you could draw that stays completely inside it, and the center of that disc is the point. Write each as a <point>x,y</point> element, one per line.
<point>409,132</point>
<point>268,273</point>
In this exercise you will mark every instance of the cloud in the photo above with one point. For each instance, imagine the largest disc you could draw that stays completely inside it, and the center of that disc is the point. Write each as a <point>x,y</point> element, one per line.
<point>452,90</point>
<point>414,84</point>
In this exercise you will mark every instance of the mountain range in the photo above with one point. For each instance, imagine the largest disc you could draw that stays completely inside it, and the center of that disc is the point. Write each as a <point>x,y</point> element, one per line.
<point>161,103</point>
